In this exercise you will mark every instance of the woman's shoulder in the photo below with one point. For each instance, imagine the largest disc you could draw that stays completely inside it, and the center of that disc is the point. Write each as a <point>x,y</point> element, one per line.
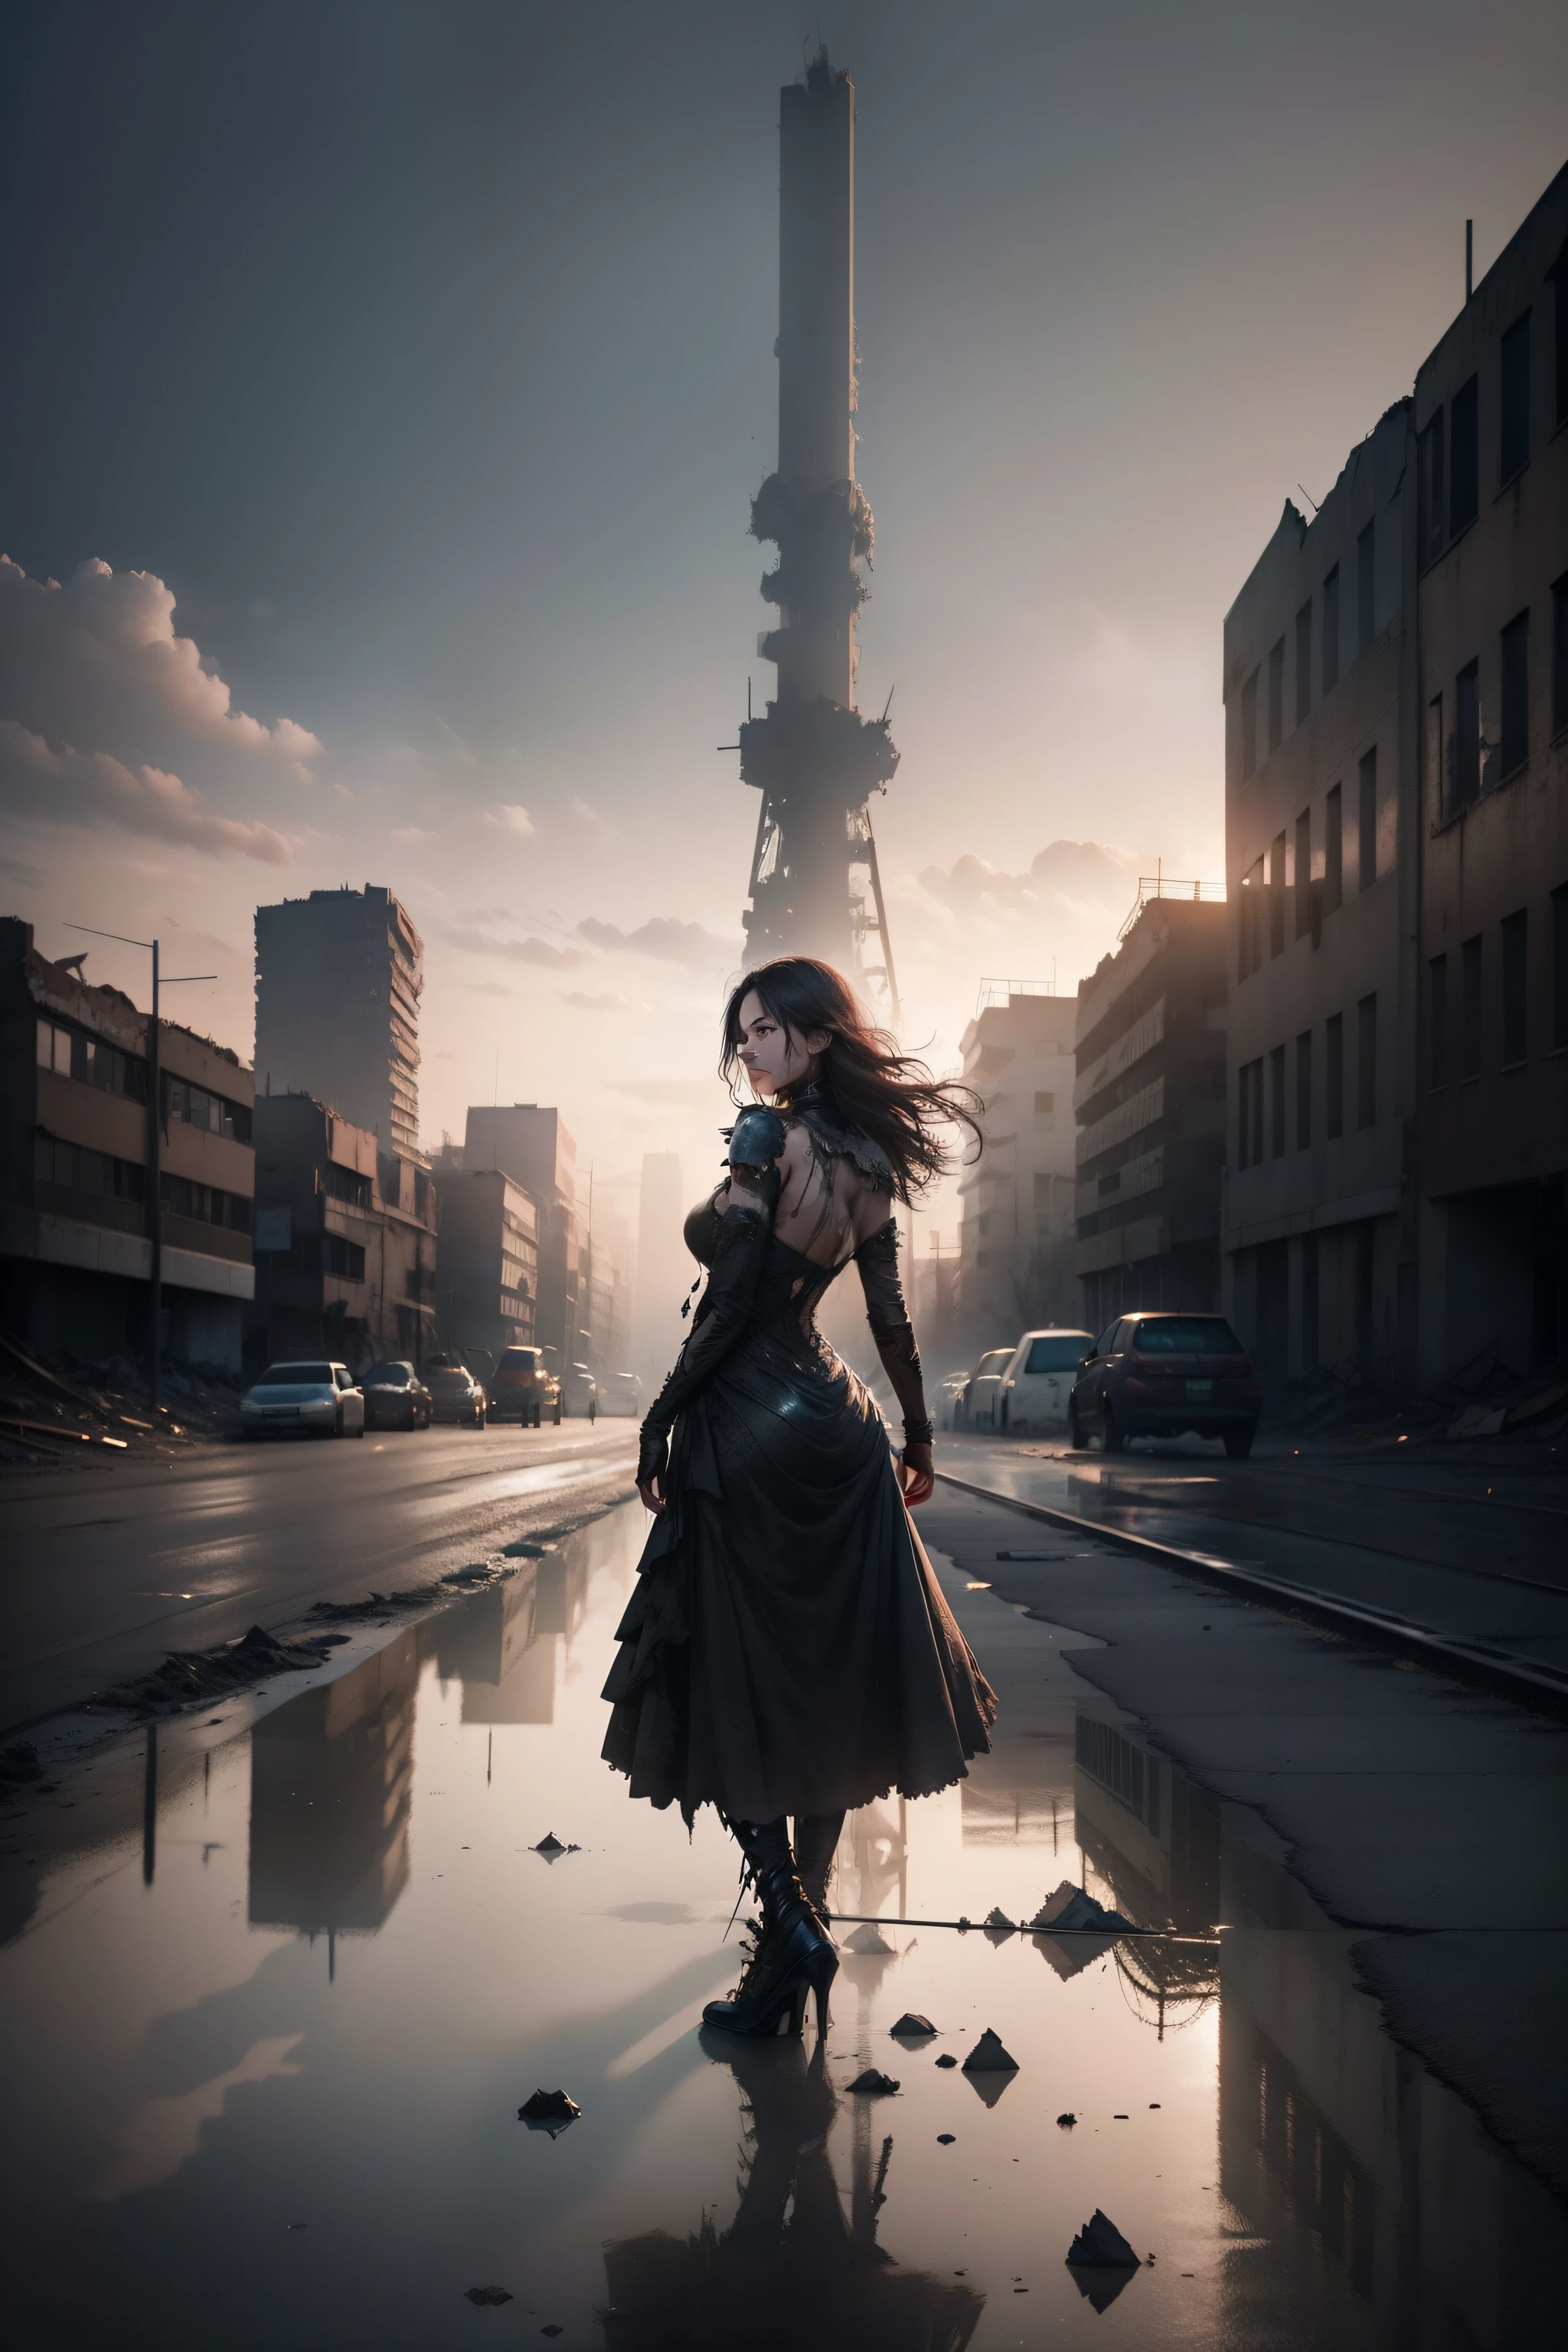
<point>824,1130</point>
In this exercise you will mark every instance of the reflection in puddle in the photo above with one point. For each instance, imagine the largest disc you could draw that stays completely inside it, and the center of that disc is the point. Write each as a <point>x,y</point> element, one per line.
<point>220,2131</point>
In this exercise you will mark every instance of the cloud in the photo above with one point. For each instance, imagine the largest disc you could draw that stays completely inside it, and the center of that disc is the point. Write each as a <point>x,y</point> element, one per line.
<point>97,664</point>
<point>682,1091</point>
<point>92,788</point>
<point>586,813</point>
<point>611,1001</point>
<point>661,937</point>
<point>488,988</point>
<point>509,818</point>
<point>16,869</point>
<point>538,951</point>
<point>409,836</point>
<point>1073,877</point>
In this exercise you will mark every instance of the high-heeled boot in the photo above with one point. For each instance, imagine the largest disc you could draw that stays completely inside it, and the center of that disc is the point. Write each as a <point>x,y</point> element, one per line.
<point>816,1844</point>
<point>792,1956</point>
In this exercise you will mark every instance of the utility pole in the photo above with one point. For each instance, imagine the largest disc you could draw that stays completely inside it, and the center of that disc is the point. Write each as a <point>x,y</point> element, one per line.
<point>154,1205</point>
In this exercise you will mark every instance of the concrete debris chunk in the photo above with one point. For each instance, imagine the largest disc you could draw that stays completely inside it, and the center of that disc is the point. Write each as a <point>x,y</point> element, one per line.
<point>1066,2122</point>
<point>867,1941</point>
<point>487,2294</point>
<point>947,2059</point>
<point>989,2057</point>
<point>522,1551</point>
<point>552,1848</point>
<point>911,2026</point>
<point>874,2085</point>
<point>1072,1908</point>
<point>1101,2246</point>
<point>945,2139</point>
<point>549,2111</point>
<point>997,1926</point>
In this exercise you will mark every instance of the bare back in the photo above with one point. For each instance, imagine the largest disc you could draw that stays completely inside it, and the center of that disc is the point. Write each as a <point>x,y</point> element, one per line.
<point>825,1211</point>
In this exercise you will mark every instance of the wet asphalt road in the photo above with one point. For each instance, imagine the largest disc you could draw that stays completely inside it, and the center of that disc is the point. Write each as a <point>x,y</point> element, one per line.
<point>105,1572</point>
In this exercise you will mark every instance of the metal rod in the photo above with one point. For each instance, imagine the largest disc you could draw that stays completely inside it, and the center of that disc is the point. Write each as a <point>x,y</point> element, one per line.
<point>979,1927</point>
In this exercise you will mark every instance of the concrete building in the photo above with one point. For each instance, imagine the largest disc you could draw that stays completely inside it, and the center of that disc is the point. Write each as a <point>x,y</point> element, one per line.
<point>345,1241</point>
<point>1148,1096</point>
<point>609,1276</point>
<point>531,1143</point>
<point>1015,1200</point>
<point>1322,860</point>
<point>75,1243</point>
<point>488,1280</point>
<point>1491,563</point>
<point>338,980</point>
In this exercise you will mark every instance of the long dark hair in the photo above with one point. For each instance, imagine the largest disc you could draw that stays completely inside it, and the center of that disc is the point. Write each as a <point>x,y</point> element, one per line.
<point>886,1096</point>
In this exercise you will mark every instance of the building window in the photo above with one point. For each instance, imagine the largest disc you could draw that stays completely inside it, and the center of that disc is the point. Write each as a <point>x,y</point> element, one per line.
<point>1464,782</point>
<point>1560,640</point>
<point>81,1170</point>
<point>1304,1090</point>
<point>1366,1062</point>
<point>1276,897</point>
<point>1044,1106</point>
<point>197,1108</point>
<point>1250,727</point>
<point>1303,872</point>
<point>1366,588</point>
<point>1464,458</point>
<point>1335,1075</point>
<point>1432,760</point>
<point>1429,492</point>
<point>1559,955</point>
<point>1249,946</point>
<point>1513,450</point>
<point>1249,1119</point>
<point>1304,663</point>
<point>343,1258</point>
<point>1366,821</point>
<point>1514,745</point>
<point>1514,951</point>
<point>1277,696</point>
<point>1334,850</point>
<point>1331,631</point>
<point>72,1053</point>
<point>1438,970</point>
<point>1277,1102</point>
<point>1471,1007</point>
<point>1309,1302</point>
<point>347,1185</point>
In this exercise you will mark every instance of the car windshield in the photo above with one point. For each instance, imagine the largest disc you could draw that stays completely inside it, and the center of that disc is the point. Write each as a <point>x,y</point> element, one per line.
<point>388,1376</point>
<point>296,1375</point>
<point>1186,1335</point>
<point>1063,1351</point>
<point>993,1362</point>
<point>518,1359</point>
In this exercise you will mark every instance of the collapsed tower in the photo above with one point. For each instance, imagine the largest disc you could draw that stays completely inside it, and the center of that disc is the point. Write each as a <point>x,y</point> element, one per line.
<point>814,887</point>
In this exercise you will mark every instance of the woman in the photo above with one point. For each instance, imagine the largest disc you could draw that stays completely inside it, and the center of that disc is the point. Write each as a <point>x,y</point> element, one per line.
<point>787,1650</point>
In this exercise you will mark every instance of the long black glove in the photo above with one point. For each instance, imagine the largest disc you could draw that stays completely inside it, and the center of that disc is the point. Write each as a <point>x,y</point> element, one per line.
<point>740,1245</point>
<point>893,1330</point>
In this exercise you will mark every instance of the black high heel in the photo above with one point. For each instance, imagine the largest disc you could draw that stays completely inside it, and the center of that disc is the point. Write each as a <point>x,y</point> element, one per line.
<point>790,1958</point>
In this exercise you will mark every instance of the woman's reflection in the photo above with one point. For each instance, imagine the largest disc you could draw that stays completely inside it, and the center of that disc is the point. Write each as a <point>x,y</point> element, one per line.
<point>792,2269</point>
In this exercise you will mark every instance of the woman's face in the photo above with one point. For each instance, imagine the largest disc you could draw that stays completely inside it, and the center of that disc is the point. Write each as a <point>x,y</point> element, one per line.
<point>774,1059</point>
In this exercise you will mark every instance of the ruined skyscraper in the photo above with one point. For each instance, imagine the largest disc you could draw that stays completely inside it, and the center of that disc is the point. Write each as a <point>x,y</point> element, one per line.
<point>338,982</point>
<point>814,887</point>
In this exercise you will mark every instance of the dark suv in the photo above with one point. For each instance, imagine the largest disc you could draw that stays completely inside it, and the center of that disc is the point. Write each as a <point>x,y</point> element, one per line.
<point>1154,1375</point>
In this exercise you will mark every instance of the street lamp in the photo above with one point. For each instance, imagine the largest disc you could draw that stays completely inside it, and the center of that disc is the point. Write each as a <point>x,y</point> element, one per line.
<point>154,1131</point>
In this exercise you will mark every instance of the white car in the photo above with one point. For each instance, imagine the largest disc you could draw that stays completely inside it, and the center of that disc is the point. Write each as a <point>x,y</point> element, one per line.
<point>978,1408</point>
<point>579,1392</point>
<point>1038,1380</point>
<point>319,1400</point>
<point>622,1392</point>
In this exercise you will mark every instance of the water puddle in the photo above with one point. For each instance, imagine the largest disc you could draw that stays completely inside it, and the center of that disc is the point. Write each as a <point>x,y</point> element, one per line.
<point>272,2006</point>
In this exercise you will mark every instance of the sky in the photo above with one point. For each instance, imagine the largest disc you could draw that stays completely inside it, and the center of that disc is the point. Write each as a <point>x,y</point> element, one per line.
<point>386,385</point>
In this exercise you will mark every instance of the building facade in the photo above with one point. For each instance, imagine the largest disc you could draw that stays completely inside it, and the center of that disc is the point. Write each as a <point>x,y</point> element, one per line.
<point>345,1241</point>
<point>338,983</point>
<point>1319,1233</point>
<point>1491,566</point>
<point>489,1274</point>
<point>1016,1198</point>
<point>1148,1099</point>
<point>76,1233</point>
<point>529,1142</point>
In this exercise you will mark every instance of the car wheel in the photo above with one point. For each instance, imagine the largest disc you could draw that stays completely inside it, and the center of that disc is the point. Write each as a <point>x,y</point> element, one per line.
<point>1075,1430</point>
<point>360,1431</point>
<point>338,1423</point>
<point>1113,1437</point>
<point>555,1417</point>
<point>1238,1442</point>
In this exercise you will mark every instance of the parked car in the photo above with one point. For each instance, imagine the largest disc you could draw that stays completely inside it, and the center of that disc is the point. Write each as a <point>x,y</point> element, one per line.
<point>312,1399</point>
<point>525,1389</point>
<point>1038,1380</point>
<point>950,1397</point>
<point>977,1408</point>
<point>456,1395</point>
<point>1156,1374</point>
<point>395,1398</point>
<point>622,1393</point>
<point>579,1392</point>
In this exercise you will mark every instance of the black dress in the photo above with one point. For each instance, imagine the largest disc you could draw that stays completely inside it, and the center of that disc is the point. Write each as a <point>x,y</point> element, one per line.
<point>787,1649</point>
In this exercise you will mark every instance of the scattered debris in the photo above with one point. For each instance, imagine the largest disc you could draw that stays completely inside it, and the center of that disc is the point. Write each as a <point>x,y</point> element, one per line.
<point>487,2294</point>
<point>551,1847</point>
<point>997,1926</point>
<point>1101,2246</point>
<point>1066,2122</point>
<point>1073,1908</point>
<point>549,2111</point>
<point>945,2139</point>
<point>989,2057</point>
<point>200,1676</point>
<point>911,2026</point>
<point>522,1551</point>
<point>867,1940</point>
<point>947,2059</point>
<point>874,2085</point>
<point>476,1572</point>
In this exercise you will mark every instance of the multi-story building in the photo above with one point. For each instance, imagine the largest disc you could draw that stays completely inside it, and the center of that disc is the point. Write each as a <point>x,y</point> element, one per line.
<point>1149,1098</point>
<point>529,1142</point>
<point>338,980</point>
<point>490,1263</point>
<point>1320,857</point>
<point>76,1233</point>
<point>1016,1198</point>
<point>345,1241</point>
<point>1491,565</point>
